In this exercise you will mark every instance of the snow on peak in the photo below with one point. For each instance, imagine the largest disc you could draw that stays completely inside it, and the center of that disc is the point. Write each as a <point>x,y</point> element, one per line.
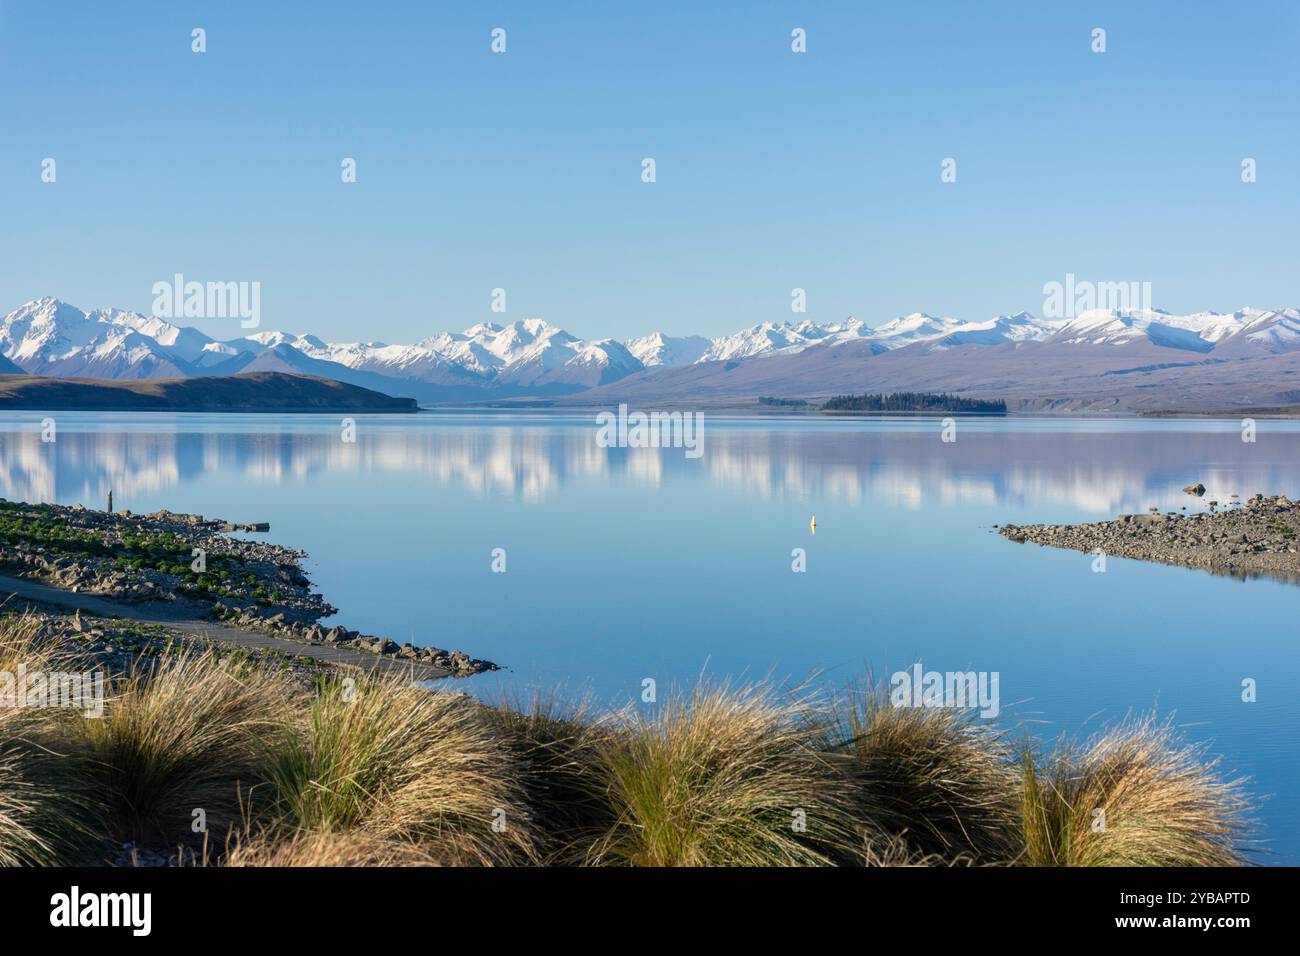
<point>48,336</point>
<point>658,349</point>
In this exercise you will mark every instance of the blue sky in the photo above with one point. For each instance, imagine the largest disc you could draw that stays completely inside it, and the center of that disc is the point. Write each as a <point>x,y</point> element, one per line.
<point>775,170</point>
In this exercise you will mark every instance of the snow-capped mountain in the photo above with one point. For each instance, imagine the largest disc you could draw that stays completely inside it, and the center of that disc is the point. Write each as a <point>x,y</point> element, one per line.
<point>769,338</point>
<point>49,337</point>
<point>915,327</point>
<point>528,352</point>
<point>1268,331</point>
<point>659,349</point>
<point>763,339</point>
<point>1274,331</point>
<point>939,331</point>
<point>947,333</point>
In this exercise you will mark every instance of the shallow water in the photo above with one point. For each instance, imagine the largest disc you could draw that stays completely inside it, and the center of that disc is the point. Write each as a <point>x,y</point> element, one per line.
<point>627,564</point>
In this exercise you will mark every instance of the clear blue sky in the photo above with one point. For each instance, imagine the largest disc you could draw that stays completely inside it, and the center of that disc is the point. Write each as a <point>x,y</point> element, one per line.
<point>522,170</point>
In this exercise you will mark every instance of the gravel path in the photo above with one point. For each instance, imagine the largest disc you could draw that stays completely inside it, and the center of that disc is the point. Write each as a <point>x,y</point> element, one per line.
<point>178,617</point>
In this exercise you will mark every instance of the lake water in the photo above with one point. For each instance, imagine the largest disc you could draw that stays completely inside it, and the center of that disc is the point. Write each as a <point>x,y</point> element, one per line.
<point>626,564</point>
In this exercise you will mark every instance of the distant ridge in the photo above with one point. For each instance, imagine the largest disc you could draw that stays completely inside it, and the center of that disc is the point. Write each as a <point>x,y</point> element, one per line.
<point>1103,360</point>
<point>251,392</point>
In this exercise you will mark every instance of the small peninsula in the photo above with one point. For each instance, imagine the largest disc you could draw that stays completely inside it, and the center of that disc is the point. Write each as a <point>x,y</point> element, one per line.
<point>280,392</point>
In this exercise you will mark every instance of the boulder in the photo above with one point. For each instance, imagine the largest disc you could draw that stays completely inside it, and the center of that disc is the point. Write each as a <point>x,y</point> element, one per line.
<point>1151,519</point>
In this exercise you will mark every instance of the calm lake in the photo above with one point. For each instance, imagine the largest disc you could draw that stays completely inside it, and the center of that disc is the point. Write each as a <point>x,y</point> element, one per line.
<point>627,564</point>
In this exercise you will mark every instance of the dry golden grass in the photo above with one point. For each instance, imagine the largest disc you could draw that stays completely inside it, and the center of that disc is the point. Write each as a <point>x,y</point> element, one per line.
<point>21,840</point>
<point>557,750</point>
<point>379,772</point>
<point>400,762</point>
<point>941,782</point>
<point>26,645</point>
<point>1137,796</point>
<point>723,777</point>
<point>885,850</point>
<point>184,733</point>
<point>353,848</point>
<point>36,821</point>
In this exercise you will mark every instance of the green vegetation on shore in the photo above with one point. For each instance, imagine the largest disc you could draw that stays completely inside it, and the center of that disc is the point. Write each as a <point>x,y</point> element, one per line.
<point>167,552</point>
<point>45,529</point>
<point>914,402</point>
<point>358,770</point>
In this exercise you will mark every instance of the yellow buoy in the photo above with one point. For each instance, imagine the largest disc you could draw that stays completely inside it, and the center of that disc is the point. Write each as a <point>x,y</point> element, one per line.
<point>813,524</point>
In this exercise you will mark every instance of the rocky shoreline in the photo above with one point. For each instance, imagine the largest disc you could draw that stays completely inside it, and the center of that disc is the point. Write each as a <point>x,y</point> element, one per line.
<point>274,622</point>
<point>191,563</point>
<point>1260,537</point>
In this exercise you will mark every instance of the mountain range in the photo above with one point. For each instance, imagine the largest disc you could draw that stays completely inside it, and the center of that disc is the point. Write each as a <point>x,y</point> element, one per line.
<point>1098,360</point>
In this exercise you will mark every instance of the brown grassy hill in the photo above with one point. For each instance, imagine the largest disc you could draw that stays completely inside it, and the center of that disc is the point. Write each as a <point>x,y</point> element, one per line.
<point>250,392</point>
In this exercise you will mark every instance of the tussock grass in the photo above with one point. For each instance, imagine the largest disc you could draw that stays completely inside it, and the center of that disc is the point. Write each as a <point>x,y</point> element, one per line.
<point>397,761</point>
<point>884,850</point>
<point>370,771</point>
<point>1164,804</point>
<point>184,733</point>
<point>20,837</point>
<point>933,776</point>
<point>323,848</point>
<point>558,750</point>
<point>723,776</point>
<point>38,820</point>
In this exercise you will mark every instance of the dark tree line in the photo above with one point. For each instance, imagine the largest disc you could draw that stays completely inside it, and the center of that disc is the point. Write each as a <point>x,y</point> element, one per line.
<point>914,402</point>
